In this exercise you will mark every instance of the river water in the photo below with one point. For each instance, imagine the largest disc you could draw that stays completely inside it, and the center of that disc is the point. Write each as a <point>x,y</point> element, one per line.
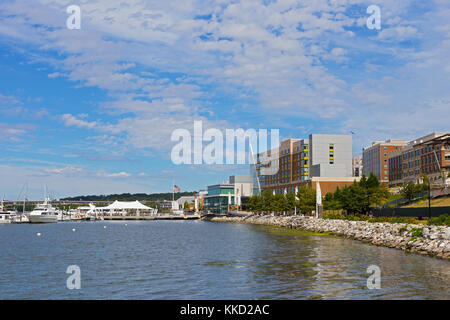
<point>205,260</point>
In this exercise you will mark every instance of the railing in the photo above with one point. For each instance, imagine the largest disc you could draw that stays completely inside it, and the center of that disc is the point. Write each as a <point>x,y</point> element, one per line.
<point>404,201</point>
<point>409,212</point>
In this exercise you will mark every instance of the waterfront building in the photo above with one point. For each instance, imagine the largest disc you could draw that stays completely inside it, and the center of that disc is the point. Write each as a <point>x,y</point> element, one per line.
<point>357,167</point>
<point>182,200</point>
<point>375,158</point>
<point>195,202</point>
<point>225,196</point>
<point>298,161</point>
<point>428,155</point>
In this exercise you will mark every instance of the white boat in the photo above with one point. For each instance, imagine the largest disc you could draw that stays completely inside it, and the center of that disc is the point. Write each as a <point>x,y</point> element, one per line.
<point>19,218</point>
<point>44,213</point>
<point>6,217</point>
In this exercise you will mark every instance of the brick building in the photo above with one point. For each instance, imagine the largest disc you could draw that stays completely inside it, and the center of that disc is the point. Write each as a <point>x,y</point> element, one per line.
<point>375,158</point>
<point>429,155</point>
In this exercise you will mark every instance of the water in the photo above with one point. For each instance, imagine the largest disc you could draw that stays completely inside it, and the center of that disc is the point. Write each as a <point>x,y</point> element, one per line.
<point>205,260</point>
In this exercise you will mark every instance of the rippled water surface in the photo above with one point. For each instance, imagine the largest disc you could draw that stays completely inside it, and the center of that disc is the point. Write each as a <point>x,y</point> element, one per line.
<point>205,260</point>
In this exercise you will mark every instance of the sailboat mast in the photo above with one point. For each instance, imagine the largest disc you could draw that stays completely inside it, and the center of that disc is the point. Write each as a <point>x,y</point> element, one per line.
<point>25,197</point>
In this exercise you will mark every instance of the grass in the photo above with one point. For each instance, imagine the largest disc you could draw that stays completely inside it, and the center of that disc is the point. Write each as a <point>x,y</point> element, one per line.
<point>439,202</point>
<point>312,233</point>
<point>416,233</point>
<point>376,219</point>
<point>443,220</point>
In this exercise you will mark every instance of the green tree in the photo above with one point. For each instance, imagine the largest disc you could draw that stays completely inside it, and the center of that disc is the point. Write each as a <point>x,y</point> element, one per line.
<point>279,203</point>
<point>307,199</point>
<point>408,190</point>
<point>255,203</point>
<point>267,200</point>
<point>375,191</point>
<point>331,202</point>
<point>291,202</point>
<point>354,198</point>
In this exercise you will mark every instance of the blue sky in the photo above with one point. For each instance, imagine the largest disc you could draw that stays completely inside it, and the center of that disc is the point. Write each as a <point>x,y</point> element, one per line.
<point>91,111</point>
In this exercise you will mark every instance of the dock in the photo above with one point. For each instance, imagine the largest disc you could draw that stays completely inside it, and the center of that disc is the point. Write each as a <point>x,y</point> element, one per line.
<point>154,217</point>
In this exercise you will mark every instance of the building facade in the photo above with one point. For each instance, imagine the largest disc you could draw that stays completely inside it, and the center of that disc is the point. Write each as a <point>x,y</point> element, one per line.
<point>224,196</point>
<point>357,167</point>
<point>428,155</point>
<point>375,158</point>
<point>297,161</point>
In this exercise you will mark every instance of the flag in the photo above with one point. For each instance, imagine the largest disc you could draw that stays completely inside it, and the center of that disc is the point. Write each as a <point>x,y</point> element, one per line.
<point>176,188</point>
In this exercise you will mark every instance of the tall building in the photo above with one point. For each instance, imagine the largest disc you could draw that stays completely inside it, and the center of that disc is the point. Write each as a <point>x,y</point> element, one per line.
<point>357,167</point>
<point>429,155</point>
<point>298,161</point>
<point>330,155</point>
<point>375,158</point>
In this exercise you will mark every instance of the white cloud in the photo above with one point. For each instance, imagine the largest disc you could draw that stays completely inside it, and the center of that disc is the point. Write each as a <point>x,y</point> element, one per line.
<point>14,132</point>
<point>277,53</point>
<point>71,121</point>
<point>67,170</point>
<point>121,174</point>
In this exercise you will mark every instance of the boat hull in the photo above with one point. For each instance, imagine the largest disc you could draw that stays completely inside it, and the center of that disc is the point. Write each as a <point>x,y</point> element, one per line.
<point>43,219</point>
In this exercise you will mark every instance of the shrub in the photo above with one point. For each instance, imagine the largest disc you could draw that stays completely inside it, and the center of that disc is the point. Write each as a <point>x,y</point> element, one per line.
<point>416,233</point>
<point>442,220</point>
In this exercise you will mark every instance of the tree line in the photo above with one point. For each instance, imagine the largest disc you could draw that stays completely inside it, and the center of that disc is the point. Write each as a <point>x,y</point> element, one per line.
<point>304,201</point>
<point>131,197</point>
<point>356,198</point>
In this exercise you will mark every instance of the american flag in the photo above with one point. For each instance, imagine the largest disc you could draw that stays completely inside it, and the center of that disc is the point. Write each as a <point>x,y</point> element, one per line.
<point>176,188</point>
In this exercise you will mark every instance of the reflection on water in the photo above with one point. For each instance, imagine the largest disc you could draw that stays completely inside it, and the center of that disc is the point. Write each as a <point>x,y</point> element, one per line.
<point>204,260</point>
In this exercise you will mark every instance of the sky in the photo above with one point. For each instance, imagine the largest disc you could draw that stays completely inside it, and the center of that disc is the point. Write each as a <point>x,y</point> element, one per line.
<point>91,111</point>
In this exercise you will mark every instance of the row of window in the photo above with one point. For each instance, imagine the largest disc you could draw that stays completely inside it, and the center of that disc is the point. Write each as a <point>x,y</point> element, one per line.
<point>331,153</point>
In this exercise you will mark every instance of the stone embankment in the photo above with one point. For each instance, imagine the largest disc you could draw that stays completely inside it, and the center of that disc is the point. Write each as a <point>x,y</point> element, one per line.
<point>427,240</point>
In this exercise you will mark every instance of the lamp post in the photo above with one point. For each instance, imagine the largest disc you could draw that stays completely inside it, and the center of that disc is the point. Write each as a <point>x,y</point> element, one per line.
<point>429,200</point>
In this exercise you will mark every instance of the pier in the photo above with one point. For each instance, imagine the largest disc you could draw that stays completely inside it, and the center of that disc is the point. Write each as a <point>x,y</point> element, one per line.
<point>153,217</point>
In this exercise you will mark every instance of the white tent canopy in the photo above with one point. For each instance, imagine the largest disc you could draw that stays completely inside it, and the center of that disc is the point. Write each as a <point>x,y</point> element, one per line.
<point>119,205</point>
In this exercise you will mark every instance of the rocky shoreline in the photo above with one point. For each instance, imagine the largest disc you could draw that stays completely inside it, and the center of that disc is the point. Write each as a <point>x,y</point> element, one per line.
<point>427,240</point>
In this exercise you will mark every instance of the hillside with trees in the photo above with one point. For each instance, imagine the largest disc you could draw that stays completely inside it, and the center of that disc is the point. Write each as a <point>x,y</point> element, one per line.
<point>131,197</point>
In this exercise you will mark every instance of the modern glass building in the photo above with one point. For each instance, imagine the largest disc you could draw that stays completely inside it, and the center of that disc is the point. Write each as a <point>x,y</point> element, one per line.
<point>219,198</point>
<point>228,196</point>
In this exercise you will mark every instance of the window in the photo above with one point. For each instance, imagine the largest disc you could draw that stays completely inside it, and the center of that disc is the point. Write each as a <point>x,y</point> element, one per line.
<point>331,153</point>
<point>447,157</point>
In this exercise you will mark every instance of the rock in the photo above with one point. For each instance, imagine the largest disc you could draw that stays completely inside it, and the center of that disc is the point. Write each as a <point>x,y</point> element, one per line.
<point>447,233</point>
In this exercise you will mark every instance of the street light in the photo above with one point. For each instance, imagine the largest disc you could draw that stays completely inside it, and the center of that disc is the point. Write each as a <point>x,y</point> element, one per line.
<point>429,199</point>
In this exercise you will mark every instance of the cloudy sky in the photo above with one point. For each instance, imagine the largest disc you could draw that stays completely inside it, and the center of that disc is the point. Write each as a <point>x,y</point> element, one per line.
<point>91,111</point>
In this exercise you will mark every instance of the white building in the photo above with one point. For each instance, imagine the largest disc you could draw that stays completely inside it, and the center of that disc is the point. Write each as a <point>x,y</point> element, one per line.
<point>330,155</point>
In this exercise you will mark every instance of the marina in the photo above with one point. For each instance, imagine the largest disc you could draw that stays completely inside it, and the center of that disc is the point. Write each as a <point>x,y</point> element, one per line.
<point>45,212</point>
<point>205,260</point>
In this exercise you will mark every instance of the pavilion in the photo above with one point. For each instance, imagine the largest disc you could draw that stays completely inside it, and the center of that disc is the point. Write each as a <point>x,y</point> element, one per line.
<point>127,208</point>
